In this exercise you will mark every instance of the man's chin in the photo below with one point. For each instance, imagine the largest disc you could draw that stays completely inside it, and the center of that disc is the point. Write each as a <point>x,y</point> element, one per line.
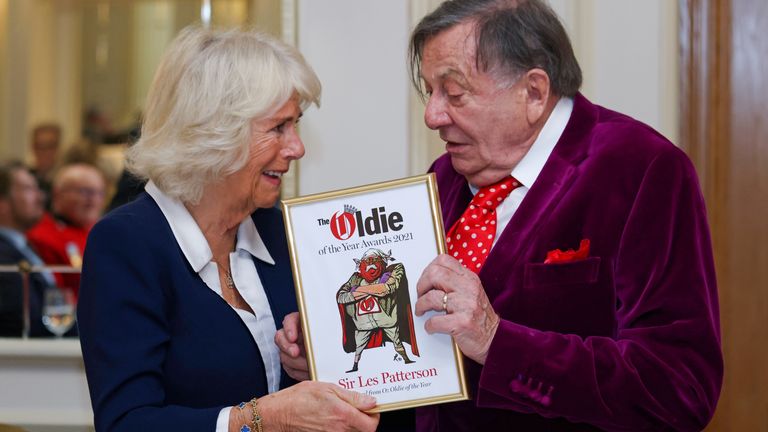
<point>463,166</point>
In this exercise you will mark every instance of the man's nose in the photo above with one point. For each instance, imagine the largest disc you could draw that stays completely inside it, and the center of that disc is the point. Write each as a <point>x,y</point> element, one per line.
<point>435,114</point>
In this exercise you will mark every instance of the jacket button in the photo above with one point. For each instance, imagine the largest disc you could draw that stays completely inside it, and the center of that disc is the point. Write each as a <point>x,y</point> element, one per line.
<point>535,394</point>
<point>547,399</point>
<point>516,385</point>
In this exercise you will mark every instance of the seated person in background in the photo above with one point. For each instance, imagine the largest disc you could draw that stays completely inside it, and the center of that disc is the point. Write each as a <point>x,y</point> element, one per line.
<point>21,206</point>
<point>127,189</point>
<point>46,140</point>
<point>184,287</point>
<point>77,203</point>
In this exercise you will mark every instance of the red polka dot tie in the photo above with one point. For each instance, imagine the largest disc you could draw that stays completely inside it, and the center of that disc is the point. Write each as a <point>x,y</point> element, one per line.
<point>471,237</point>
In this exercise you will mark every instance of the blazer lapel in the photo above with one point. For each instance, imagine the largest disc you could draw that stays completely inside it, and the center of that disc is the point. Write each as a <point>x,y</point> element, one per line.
<point>455,201</point>
<point>276,279</point>
<point>555,179</point>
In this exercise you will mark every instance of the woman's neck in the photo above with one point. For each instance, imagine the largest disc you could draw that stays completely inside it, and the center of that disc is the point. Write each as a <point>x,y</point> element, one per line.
<point>218,218</point>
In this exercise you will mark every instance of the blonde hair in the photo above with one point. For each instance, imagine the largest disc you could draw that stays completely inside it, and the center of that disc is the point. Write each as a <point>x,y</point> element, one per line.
<point>209,86</point>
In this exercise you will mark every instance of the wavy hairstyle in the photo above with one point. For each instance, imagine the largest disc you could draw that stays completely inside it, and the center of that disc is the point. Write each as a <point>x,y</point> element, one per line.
<point>208,88</point>
<point>512,37</point>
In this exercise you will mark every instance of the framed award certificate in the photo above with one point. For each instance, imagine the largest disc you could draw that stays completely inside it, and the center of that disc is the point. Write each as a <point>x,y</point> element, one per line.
<point>357,255</point>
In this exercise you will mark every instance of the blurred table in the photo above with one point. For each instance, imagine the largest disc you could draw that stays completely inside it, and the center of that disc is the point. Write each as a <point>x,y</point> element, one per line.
<point>43,386</point>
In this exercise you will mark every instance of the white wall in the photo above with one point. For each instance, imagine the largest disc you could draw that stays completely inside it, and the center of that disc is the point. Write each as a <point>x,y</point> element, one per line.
<point>628,52</point>
<point>369,130</point>
<point>360,134</point>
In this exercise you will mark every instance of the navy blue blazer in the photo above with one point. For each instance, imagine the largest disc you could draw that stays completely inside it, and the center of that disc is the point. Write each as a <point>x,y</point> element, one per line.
<point>163,351</point>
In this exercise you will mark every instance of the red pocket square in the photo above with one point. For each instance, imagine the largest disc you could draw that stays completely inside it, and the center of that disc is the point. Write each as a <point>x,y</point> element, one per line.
<point>558,256</point>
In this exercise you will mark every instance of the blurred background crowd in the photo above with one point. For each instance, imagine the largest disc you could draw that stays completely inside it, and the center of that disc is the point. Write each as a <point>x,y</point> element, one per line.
<point>48,206</point>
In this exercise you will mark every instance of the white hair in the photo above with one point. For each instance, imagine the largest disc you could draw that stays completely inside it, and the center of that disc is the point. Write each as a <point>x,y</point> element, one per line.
<point>208,88</point>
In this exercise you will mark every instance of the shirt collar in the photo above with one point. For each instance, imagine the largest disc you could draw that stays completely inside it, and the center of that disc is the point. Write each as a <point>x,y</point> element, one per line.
<point>191,239</point>
<point>249,240</point>
<point>528,169</point>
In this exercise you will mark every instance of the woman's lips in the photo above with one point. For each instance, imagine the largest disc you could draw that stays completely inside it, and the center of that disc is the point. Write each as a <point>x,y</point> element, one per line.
<point>273,176</point>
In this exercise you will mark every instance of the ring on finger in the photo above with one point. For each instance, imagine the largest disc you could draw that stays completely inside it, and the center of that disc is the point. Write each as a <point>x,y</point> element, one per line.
<point>445,302</point>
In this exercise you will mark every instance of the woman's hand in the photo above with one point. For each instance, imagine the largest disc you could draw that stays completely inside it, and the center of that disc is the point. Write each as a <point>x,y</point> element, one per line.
<point>290,342</point>
<point>316,406</point>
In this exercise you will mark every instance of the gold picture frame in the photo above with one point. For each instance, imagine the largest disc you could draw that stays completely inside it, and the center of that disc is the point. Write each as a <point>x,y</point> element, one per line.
<point>356,255</point>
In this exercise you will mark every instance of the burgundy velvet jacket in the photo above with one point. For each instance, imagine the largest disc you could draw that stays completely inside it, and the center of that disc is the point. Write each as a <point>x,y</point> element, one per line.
<point>627,339</point>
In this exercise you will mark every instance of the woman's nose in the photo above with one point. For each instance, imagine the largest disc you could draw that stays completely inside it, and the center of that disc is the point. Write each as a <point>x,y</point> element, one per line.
<point>294,146</point>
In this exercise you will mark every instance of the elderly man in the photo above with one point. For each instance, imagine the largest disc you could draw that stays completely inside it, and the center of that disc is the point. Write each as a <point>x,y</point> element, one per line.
<point>579,280</point>
<point>21,206</point>
<point>587,299</point>
<point>77,202</point>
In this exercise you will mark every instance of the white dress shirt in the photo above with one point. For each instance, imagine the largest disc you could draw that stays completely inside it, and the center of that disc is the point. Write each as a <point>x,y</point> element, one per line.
<point>249,245</point>
<point>528,169</point>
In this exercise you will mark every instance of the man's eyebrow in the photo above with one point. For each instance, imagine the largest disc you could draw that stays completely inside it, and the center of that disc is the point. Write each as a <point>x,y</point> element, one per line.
<point>452,74</point>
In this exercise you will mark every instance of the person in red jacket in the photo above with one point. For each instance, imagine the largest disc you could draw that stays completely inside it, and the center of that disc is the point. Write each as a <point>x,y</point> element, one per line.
<point>77,202</point>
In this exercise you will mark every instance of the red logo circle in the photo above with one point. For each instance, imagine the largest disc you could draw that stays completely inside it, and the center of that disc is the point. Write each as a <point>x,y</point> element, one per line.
<point>368,304</point>
<point>342,225</point>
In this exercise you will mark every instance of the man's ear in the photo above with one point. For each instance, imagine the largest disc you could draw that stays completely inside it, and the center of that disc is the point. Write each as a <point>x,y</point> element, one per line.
<point>538,94</point>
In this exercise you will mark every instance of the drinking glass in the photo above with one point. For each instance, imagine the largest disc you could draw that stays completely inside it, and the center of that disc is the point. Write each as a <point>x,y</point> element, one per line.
<point>58,310</point>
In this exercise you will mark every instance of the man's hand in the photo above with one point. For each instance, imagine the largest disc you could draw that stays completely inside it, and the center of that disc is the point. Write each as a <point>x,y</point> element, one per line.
<point>468,317</point>
<point>290,341</point>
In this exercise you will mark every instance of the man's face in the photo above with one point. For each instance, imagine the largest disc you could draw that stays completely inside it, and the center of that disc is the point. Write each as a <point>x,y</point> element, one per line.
<point>483,123</point>
<point>80,196</point>
<point>371,268</point>
<point>25,199</point>
<point>45,146</point>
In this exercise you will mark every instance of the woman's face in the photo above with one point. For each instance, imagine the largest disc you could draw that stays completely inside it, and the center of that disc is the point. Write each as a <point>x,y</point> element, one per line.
<point>274,144</point>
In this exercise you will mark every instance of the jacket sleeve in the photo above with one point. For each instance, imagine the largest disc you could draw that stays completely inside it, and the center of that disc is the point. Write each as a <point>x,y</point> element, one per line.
<point>124,329</point>
<point>663,369</point>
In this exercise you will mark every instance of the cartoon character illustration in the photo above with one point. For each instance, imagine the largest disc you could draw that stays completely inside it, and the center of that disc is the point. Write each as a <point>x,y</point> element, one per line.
<point>375,307</point>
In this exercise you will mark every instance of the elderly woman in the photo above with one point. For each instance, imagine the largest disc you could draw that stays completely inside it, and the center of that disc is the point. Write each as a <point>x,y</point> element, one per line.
<point>183,289</point>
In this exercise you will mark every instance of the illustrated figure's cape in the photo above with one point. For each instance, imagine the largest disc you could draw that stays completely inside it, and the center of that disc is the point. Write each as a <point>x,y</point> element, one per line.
<point>378,337</point>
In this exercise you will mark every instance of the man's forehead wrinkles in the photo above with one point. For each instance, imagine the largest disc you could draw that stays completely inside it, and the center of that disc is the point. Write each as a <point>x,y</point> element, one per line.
<point>443,73</point>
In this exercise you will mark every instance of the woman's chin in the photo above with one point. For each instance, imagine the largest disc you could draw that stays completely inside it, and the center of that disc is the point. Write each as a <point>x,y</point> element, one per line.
<point>266,199</point>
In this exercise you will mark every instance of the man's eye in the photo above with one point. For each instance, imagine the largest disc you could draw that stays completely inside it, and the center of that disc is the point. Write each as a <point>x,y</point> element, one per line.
<point>279,128</point>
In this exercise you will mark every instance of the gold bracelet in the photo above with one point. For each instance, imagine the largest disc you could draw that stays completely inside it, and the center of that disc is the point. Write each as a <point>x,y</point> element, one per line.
<point>256,417</point>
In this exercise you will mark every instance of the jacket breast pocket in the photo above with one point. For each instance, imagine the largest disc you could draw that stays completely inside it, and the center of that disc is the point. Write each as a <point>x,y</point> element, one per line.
<point>579,272</point>
<point>572,297</point>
